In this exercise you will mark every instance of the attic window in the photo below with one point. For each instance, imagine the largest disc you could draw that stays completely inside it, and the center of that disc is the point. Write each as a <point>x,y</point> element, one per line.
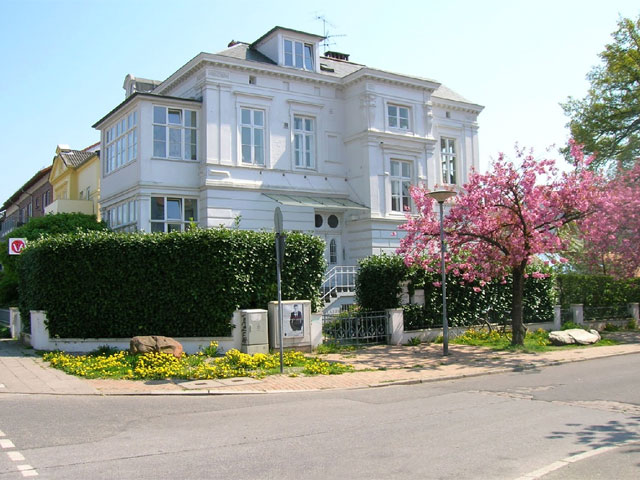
<point>252,79</point>
<point>298,54</point>
<point>325,68</point>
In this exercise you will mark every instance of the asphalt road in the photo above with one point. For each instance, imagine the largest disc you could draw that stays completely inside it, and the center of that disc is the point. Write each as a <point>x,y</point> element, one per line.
<point>579,420</point>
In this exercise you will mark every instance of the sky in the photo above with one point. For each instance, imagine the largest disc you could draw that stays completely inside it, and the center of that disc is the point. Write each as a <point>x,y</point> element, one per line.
<point>64,61</point>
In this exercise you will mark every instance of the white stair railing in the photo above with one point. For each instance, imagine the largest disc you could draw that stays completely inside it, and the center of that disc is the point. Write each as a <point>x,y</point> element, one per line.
<point>338,280</point>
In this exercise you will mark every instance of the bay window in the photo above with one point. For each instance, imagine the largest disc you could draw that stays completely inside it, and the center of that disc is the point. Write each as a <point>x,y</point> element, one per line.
<point>172,214</point>
<point>175,133</point>
<point>121,142</point>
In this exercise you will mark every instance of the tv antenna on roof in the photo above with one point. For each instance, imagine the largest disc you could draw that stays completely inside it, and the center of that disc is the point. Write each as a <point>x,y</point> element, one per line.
<point>326,43</point>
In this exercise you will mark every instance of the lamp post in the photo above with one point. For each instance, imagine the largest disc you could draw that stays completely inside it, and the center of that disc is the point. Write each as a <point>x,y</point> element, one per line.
<point>441,196</point>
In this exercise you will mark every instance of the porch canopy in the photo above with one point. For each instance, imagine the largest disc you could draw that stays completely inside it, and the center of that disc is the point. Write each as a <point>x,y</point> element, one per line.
<point>324,203</point>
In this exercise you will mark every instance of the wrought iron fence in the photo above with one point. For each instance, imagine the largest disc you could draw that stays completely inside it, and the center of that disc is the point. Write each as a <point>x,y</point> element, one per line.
<point>355,328</point>
<point>4,316</point>
<point>418,317</point>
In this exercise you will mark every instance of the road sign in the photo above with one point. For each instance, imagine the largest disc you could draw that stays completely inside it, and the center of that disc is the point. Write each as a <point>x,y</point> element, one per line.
<point>16,245</point>
<point>277,220</point>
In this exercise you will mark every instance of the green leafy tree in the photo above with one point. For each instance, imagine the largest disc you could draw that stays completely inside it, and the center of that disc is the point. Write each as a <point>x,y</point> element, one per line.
<point>607,120</point>
<point>48,225</point>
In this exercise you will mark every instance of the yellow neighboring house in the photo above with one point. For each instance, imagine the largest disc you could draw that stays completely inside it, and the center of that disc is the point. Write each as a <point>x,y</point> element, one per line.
<point>75,178</point>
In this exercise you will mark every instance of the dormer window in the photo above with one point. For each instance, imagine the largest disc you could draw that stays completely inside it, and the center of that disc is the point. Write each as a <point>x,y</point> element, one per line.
<point>298,54</point>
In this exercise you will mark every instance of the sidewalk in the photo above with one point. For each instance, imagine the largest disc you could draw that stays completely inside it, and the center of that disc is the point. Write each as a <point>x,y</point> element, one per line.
<point>21,371</point>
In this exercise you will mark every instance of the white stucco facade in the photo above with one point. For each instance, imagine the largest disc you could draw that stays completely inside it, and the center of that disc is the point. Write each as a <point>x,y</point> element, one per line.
<point>230,136</point>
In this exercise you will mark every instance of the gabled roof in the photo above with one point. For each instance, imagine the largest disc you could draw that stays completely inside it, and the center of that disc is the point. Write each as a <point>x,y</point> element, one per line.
<point>76,158</point>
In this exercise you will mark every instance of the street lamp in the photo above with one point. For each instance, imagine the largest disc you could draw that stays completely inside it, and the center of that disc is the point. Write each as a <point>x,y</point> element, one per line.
<point>441,196</point>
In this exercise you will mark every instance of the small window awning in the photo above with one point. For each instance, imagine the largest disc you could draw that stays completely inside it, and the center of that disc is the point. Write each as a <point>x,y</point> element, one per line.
<point>314,201</point>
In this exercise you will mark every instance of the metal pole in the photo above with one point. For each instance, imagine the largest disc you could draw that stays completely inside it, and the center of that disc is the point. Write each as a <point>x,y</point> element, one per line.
<point>445,325</point>
<point>278,262</point>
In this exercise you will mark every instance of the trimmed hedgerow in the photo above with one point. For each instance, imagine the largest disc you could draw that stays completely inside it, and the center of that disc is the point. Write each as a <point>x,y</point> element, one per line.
<point>178,284</point>
<point>47,226</point>
<point>378,287</point>
<point>596,290</point>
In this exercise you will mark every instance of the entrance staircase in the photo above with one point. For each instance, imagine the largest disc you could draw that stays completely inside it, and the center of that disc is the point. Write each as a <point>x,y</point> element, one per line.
<point>339,287</point>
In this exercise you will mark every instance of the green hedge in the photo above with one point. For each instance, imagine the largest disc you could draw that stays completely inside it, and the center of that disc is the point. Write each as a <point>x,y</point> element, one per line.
<point>378,281</point>
<point>378,287</point>
<point>596,290</point>
<point>176,284</point>
<point>46,226</point>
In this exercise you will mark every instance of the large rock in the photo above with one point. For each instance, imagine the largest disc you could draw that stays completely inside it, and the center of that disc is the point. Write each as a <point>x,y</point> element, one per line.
<point>155,343</point>
<point>574,335</point>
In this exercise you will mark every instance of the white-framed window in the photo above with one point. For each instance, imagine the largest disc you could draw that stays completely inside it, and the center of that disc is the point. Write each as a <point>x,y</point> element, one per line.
<point>171,214</point>
<point>175,133</point>
<point>400,184</point>
<point>252,136</point>
<point>46,198</point>
<point>304,144</point>
<point>448,159</point>
<point>398,116</point>
<point>298,54</point>
<point>121,142</point>
<point>122,217</point>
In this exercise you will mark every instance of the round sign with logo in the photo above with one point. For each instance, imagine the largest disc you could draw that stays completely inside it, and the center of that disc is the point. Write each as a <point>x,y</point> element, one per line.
<point>16,245</point>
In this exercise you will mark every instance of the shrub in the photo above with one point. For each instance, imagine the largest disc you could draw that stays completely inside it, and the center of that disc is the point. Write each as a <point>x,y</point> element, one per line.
<point>49,225</point>
<point>631,324</point>
<point>378,283</point>
<point>596,290</point>
<point>5,332</point>
<point>571,325</point>
<point>180,284</point>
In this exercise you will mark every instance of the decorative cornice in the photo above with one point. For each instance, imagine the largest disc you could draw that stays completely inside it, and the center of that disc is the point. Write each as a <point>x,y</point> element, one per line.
<point>457,105</point>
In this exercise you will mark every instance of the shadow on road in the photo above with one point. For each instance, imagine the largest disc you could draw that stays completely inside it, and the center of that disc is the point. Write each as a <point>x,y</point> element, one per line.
<point>609,434</point>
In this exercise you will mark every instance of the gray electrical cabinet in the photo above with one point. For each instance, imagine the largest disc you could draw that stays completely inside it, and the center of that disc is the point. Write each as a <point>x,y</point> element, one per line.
<point>255,334</point>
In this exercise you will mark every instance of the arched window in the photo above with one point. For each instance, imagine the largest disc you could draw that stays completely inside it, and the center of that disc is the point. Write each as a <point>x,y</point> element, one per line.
<point>333,251</point>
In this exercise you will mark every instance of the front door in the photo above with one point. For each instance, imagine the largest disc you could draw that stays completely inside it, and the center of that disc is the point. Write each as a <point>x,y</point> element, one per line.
<point>329,227</point>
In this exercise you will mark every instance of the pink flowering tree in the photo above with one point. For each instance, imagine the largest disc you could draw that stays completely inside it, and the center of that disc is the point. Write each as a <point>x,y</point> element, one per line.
<point>501,221</point>
<point>615,250</point>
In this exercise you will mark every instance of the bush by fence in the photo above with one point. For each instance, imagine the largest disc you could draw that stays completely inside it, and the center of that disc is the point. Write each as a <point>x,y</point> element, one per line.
<point>596,290</point>
<point>379,281</point>
<point>178,284</point>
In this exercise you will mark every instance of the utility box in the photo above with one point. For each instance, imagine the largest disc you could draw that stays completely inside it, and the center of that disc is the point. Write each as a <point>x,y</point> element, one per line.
<point>255,335</point>
<point>296,318</point>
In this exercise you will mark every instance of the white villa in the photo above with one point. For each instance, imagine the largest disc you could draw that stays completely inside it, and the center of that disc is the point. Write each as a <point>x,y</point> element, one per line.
<point>232,135</point>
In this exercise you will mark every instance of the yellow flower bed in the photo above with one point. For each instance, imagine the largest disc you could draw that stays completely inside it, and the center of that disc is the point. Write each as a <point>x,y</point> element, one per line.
<point>199,366</point>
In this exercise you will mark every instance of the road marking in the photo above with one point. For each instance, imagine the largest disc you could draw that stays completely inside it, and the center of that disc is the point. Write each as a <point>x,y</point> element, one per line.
<point>27,471</point>
<point>6,443</point>
<point>15,456</point>
<point>541,472</point>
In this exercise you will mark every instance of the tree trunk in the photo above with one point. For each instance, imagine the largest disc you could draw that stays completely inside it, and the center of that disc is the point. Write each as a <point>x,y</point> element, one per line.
<point>517,324</point>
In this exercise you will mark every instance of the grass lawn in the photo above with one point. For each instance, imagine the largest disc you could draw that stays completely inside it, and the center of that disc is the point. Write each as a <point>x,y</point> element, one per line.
<point>537,341</point>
